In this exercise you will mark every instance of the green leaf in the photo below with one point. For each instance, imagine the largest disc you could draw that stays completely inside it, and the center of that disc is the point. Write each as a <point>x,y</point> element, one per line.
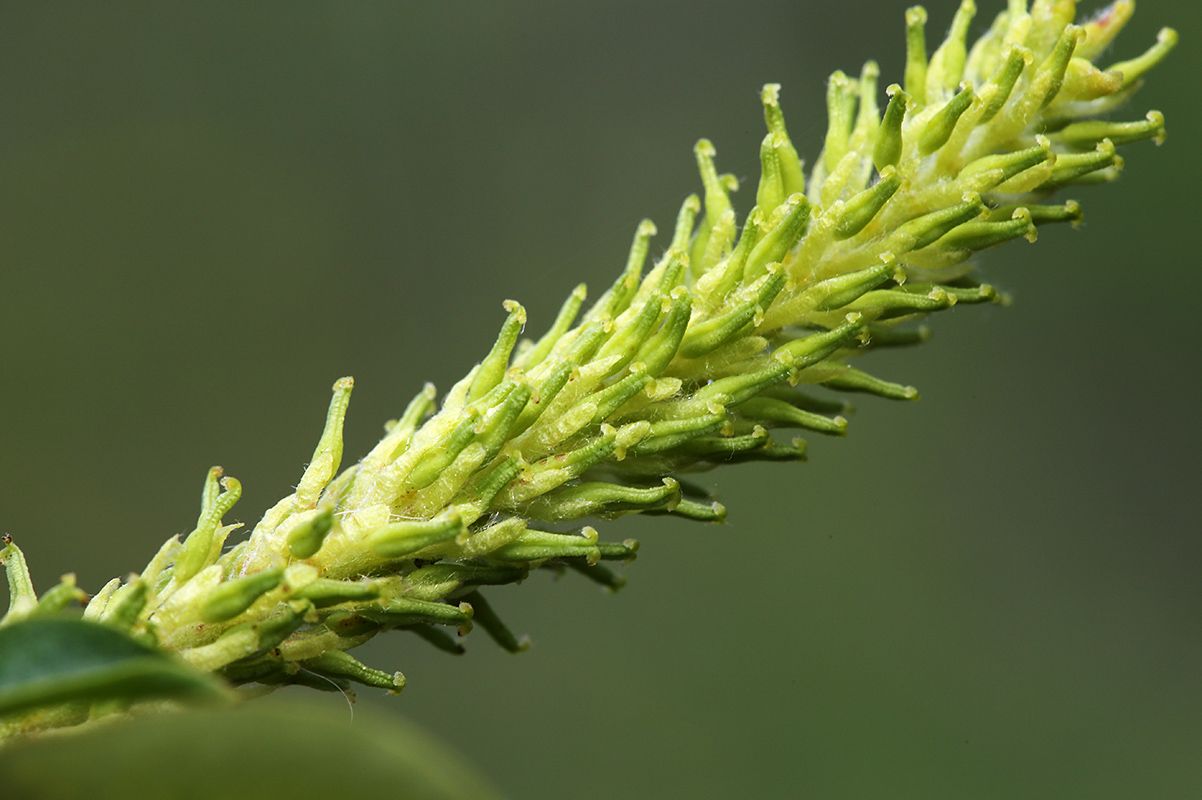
<point>276,747</point>
<point>46,662</point>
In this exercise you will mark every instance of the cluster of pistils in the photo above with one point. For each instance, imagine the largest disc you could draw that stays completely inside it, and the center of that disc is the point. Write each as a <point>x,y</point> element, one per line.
<point>946,154</point>
<point>731,334</point>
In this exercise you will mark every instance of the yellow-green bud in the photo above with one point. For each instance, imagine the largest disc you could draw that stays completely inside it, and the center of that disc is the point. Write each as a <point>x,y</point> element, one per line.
<point>563,322</point>
<point>860,209</point>
<point>939,128</point>
<point>306,538</point>
<point>775,243</point>
<point>487,618</point>
<point>401,539</point>
<point>854,380</point>
<point>661,347</point>
<point>771,411</point>
<point>337,664</point>
<point>916,54</point>
<point>947,62</point>
<point>1087,135</point>
<point>595,498</point>
<point>541,545</point>
<point>888,148</point>
<point>1017,60</point>
<point>717,331</point>
<point>791,169</point>
<point>493,367</point>
<point>232,597</point>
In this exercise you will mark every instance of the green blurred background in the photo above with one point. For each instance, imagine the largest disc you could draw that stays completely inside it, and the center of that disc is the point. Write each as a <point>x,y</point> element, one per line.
<point>209,212</point>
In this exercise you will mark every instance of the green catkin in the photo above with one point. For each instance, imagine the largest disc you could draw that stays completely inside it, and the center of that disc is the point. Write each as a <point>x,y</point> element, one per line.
<point>683,369</point>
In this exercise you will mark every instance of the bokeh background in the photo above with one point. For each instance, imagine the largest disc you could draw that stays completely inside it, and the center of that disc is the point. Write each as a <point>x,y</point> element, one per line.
<point>209,212</point>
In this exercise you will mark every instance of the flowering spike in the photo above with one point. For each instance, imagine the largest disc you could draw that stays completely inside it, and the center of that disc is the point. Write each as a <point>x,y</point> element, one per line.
<point>598,574</point>
<point>868,116</point>
<point>477,496</point>
<point>890,303</point>
<point>985,55</point>
<point>714,286</point>
<point>251,638</point>
<point>774,451</point>
<point>957,294</point>
<point>1019,21</point>
<point>126,604</point>
<point>801,353</point>
<point>715,448</point>
<point>721,238</point>
<point>539,546</point>
<point>400,431</point>
<point>629,337</point>
<point>835,293</point>
<point>496,427</point>
<point>542,396</point>
<point>666,275</point>
<point>433,461</point>
<point>437,637</point>
<point>1069,212</point>
<point>59,598</point>
<point>1084,82</point>
<point>668,434</point>
<point>683,370</point>
<point>554,471</point>
<point>398,611</point>
<point>889,336</point>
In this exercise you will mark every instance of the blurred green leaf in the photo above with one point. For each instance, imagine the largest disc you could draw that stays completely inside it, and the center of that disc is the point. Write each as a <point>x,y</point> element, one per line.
<point>298,750</point>
<point>45,662</point>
